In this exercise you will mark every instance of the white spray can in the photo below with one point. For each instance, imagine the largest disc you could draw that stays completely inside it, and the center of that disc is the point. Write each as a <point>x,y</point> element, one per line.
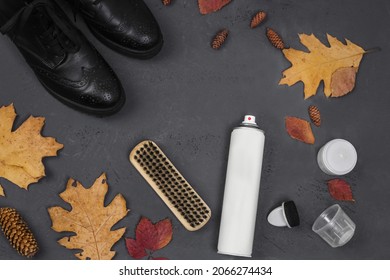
<point>242,187</point>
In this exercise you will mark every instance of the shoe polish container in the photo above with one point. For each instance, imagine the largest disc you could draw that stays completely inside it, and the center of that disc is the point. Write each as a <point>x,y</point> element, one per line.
<point>337,157</point>
<point>242,187</point>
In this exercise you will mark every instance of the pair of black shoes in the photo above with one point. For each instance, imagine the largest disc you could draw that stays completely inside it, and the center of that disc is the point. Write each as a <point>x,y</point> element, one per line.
<point>66,64</point>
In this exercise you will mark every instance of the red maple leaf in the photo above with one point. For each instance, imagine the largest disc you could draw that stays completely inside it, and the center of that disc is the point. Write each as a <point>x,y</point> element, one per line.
<point>340,190</point>
<point>149,236</point>
<point>210,6</point>
<point>135,250</point>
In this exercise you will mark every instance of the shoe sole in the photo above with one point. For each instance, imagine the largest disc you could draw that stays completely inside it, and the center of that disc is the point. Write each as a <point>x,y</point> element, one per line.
<point>86,109</point>
<point>136,54</point>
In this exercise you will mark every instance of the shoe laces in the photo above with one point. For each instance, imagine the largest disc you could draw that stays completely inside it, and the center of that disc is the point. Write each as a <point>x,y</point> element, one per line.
<point>59,37</point>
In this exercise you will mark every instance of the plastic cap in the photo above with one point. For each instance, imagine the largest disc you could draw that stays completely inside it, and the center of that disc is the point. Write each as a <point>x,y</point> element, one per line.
<point>340,156</point>
<point>285,215</point>
<point>249,119</point>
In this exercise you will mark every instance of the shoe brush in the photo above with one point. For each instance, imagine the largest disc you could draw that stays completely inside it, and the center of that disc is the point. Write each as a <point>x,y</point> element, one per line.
<point>170,185</point>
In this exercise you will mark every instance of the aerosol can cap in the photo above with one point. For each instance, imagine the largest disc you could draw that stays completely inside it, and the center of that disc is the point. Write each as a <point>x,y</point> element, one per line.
<point>249,120</point>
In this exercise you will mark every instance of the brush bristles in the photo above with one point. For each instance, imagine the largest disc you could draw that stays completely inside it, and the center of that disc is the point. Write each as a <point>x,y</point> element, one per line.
<point>176,192</point>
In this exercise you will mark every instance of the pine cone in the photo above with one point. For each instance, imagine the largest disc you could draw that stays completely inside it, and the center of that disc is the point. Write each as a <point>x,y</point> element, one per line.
<point>258,18</point>
<point>219,39</point>
<point>17,232</point>
<point>315,115</point>
<point>275,39</point>
<point>166,2</point>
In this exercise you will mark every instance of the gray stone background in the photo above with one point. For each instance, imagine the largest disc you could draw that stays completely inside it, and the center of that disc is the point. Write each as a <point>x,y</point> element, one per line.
<point>189,98</point>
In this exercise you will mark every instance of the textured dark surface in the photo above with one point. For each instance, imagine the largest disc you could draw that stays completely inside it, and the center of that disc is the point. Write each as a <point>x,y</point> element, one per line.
<point>187,100</point>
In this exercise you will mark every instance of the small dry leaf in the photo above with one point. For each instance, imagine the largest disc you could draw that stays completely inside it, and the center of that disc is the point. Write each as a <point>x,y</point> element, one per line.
<point>136,250</point>
<point>343,81</point>
<point>320,63</point>
<point>2,191</point>
<point>166,2</point>
<point>149,236</point>
<point>89,219</point>
<point>219,39</point>
<point>258,18</point>
<point>299,129</point>
<point>154,236</point>
<point>22,150</point>
<point>340,190</point>
<point>210,6</point>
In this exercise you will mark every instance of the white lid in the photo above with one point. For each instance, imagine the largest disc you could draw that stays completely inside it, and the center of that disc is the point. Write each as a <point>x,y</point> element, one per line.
<point>277,217</point>
<point>340,156</point>
<point>249,120</point>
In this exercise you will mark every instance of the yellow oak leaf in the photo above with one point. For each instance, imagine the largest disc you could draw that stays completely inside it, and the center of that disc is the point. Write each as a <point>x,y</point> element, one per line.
<point>22,150</point>
<point>89,219</point>
<point>319,63</point>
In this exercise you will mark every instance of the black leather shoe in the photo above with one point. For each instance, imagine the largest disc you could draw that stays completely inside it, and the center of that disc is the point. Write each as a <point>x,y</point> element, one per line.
<point>61,57</point>
<point>127,26</point>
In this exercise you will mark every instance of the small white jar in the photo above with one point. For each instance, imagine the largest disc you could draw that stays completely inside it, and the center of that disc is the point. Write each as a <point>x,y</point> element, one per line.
<point>337,157</point>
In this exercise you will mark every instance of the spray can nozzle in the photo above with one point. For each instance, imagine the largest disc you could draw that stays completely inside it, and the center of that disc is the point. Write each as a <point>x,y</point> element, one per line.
<point>249,120</point>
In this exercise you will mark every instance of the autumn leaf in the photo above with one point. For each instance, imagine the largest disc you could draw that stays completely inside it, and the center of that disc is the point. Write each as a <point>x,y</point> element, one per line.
<point>299,129</point>
<point>136,250</point>
<point>340,190</point>
<point>2,191</point>
<point>320,63</point>
<point>154,236</point>
<point>89,219</point>
<point>22,150</point>
<point>210,6</point>
<point>149,236</point>
<point>343,81</point>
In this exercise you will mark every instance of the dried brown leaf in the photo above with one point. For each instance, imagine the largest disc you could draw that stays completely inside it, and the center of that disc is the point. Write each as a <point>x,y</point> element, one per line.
<point>210,6</point>
<point>319,63</point>
<point>22,150</point>
<point>89,219</point>
<point>343,81</point>
<point>166,2</point>
<point>340,190</point>
<point>299,129</point>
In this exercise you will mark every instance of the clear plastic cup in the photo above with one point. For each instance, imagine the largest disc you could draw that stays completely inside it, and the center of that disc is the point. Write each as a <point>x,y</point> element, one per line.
<point>334,226</point>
